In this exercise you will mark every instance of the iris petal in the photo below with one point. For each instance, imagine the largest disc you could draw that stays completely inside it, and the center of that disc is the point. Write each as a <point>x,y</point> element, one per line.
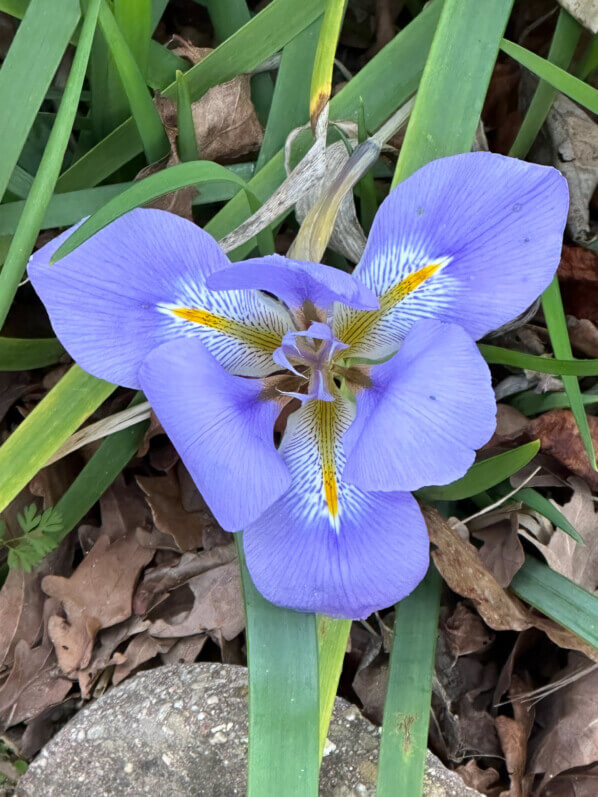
<point>220,427</point>
<point>326,546</point>
<point>471,239</point>
<point>140,282</point>
<point>295,282</point>
<point>428,409</point>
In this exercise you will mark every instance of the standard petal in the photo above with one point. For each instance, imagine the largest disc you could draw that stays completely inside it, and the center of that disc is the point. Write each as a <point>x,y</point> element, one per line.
<point>326,546</point>
<point>221,428</point>
<point>140,282</point>
<point>296,282</point>
<point>472,239</point>
<point>429,408</point>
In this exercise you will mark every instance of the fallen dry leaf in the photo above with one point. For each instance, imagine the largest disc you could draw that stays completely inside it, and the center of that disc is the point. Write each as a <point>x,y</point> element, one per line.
<point>559,437</point>
<point>573,136</point>
<point>34,684</point>
<point>99,594</point>
<point>226,124</point>
<point>583,335</point>
<point>217,604</point>
<point>484,780</point>
<point>578,277</point>
<point>577,562</point>
<point>510,425</point>
<point>465,632</point>
<point>185,650</point>
<point>513,733</point>
<point>163,495</point>
<point>461,567</point>
<point>21,612</point>
<point>140,649</point>
<point>501,552</point>
<point>568,735</point>
<point>160,580</point>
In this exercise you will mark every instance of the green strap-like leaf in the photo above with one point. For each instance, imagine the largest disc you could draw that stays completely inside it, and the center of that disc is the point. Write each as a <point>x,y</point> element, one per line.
<point>483,475</point>
<point>49,169</point>
<point>283,696</point>
<point>543,365</point>
<point>27,71</point>
<point>558,597</point>
<point>23,354</point>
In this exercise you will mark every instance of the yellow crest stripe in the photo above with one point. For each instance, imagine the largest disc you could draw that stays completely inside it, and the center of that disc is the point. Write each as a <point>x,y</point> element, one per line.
<point>260,338</point>
<point>360,323</point>
<point>326,423</point>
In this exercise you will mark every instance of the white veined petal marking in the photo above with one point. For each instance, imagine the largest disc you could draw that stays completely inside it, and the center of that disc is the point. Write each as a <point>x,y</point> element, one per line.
<point>354,327</point>
<point>312,450</point>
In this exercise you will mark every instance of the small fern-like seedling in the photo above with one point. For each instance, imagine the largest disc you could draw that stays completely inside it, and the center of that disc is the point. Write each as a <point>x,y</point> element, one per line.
<point>42,532</point>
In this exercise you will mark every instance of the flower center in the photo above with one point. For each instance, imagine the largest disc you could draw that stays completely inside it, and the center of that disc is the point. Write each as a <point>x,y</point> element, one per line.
<point>311,354</point>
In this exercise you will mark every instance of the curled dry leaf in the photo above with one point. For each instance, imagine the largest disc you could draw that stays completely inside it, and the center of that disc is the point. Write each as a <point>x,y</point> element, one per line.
<point>510,425</point>
<point>225,121</point>
<point>578,277</point>
<point>33,685</point>
<point>140,649</point>
<point>559,437</point>
<point>484,780</point>
<point>163,495</point>
<point>465,632</point>
<point>568,735</point>
<point>501,552</point>
<point>461,567</point>
<point>160,580</point>
<point>583,335</point>
<point>21,612</point>
<point>577,562</point>
<point>513,733</point>
<point>98,595</point>
<point>217,605</point>
<point>573,136</point>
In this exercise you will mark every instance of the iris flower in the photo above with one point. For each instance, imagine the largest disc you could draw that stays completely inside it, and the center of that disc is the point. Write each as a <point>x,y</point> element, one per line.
<point>308,403</point>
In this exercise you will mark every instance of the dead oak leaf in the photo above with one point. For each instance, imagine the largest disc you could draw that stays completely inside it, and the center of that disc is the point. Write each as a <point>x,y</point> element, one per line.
<point>217,606</point>
<point>461,567</point>
<point>559,437</point>
<point>33,685</point>
<point>98,595</point>
<point>163,495</point>
<point>21,612</point>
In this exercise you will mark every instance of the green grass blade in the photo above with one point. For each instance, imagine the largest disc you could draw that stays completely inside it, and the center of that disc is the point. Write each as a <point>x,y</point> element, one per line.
<point>186,140</point>
<point>531,403</point>
<point>290,103</point>
<point>483,475</point>
<point>565,39</point>
<point>134,18</point>
<point>495,355</point>
<point>539,503</point>
<point>49,169</point>
<point>44,430</point>
<point>562,81</point>
<point>67,209</point>
<point>589,63</point>
<point>321,80</point>
<point>558,598</point>
<point>552,304</point>
<point>101,470</point>
<point>20,182</point>
<point>27,71</point>
<point>333,636</point>
<point>179,176</point>
<point>453,87</point>
<point>147,119</point>
<point>108,105</point>
<point>24,354</point>
<point>407,707</point>
<point>283,696</point>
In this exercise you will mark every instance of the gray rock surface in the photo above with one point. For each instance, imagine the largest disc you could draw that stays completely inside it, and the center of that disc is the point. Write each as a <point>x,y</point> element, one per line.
<point>182,731</point>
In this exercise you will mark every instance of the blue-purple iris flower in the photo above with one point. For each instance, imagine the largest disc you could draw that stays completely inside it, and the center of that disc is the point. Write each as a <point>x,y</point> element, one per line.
<point>307,403</point>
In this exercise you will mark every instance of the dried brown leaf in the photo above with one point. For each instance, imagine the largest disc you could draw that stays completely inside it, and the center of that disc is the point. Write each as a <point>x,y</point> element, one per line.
<point>21,612</point>
<point>502,552</point>
<point>217,605</point>
<point>568,735</point>
<point>513,733</point>
<point>484,780</point>
<point>465,632</point>
<point>163,495</point>
<point>98,595</point>
<point>559,437</point>
<point>34,684</point>
<point>140,649</point>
